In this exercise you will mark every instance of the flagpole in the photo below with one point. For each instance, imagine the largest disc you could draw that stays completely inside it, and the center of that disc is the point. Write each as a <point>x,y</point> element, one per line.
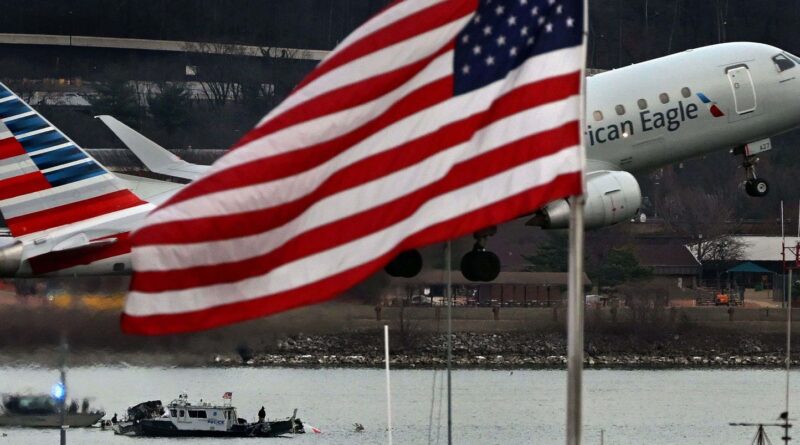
<point>575,303</point>
<point>388,386</point>
<point>575,310</point>
<point>449,293</point>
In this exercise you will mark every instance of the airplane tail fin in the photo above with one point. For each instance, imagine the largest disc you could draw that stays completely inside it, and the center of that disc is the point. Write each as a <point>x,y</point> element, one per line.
<point>46,179</point>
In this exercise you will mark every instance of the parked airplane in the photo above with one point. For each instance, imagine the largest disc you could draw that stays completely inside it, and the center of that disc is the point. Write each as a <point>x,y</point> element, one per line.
<point>69,215</point>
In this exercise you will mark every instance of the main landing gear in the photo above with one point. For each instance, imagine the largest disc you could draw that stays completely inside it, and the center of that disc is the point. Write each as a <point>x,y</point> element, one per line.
<point>480,264</point>
<point>754,186</point>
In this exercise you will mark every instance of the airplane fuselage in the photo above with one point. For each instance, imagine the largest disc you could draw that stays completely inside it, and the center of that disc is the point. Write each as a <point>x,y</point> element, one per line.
<point>653,114</point>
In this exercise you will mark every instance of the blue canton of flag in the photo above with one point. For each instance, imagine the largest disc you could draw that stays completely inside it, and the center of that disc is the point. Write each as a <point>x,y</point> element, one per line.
<point>505,33</point>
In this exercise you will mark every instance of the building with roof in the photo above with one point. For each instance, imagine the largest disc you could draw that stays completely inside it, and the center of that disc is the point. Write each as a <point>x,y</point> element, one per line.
<point>766,251</point>
<point>668,257</point>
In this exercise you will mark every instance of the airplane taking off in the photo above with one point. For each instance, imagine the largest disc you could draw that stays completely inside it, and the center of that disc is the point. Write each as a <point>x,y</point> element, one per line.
<point>69,216</point>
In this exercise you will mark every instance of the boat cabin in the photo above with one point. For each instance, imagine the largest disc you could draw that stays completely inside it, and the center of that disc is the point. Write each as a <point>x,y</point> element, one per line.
<point>201,416</point>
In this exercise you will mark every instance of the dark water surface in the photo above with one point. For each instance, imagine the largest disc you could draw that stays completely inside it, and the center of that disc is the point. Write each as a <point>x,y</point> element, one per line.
<point>490,407</point>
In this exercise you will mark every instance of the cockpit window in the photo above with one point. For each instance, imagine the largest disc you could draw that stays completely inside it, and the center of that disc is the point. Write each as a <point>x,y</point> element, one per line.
<point>782,63</point>
<point>793,57</point>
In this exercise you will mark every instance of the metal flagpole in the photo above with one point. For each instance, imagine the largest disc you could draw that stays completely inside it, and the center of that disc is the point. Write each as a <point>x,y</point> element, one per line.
<point>575,304</point>
<point>575,310</point>
<point>449,293</point>
<point>388,386</point>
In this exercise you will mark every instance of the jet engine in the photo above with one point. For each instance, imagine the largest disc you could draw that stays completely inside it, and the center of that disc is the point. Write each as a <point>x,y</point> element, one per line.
<point>611,197</point>
<point>10,258</point>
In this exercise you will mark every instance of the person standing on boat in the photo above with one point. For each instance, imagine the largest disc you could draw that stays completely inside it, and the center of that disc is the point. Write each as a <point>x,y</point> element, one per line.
<point>261,415</point>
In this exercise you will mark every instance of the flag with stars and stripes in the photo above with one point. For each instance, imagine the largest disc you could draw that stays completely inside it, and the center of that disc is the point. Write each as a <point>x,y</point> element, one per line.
<point>432,120</point>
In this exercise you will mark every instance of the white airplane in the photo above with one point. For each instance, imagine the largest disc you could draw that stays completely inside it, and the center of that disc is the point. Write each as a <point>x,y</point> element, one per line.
<point>68,215</point>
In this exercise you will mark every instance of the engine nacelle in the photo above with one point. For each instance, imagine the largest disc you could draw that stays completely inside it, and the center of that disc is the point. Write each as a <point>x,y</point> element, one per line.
<point>10,259</point>
<point>611,197</point>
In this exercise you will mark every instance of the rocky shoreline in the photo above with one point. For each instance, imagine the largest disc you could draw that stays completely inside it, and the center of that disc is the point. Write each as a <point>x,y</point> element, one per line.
<point>518,351</point>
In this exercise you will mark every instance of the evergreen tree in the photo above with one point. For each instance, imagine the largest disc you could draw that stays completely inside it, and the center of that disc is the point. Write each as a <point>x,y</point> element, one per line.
<point>170,108</point>
<point>620,266</point>
<point>117,98</point>
<point>551,255</point>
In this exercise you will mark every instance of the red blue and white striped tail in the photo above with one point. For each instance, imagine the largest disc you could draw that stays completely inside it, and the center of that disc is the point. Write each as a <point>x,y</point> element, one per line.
<point>46,180</point>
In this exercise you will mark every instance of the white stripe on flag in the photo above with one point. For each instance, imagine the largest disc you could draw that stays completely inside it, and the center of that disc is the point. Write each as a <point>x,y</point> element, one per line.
<point>388,59</point>
<point>424,122</point>
<point>362,197</point>
<point>333,261</point>
<point>391,15</point>
<point>305,134</point>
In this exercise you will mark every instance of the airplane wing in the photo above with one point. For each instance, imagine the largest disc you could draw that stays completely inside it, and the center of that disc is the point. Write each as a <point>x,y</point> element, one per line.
<point>155,157</point>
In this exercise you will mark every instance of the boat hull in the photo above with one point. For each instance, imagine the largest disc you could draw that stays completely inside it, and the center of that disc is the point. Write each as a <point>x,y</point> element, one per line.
<point>165,428</point>
<point>78,420</point>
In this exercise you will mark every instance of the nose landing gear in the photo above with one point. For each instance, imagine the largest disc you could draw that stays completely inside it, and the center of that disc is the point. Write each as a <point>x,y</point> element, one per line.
<point>754,186</point>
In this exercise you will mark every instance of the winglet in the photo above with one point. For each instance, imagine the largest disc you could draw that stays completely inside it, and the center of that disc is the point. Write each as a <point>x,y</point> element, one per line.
<point>155,157</point>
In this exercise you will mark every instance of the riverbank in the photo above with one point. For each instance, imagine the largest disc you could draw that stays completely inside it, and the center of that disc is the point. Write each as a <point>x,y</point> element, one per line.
<point>341,335</point>
<point>522,350</point>
<point>509,350</point>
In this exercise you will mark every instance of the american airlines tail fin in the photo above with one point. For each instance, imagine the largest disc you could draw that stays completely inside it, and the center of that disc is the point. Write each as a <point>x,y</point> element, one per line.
<point>46,179</point>
<point>155,157</point>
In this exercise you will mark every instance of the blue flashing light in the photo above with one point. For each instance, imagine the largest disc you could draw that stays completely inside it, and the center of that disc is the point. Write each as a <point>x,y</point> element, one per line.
<point>57,391</point>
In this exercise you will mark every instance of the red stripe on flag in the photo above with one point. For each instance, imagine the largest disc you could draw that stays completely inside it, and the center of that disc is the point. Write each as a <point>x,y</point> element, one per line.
<point>10,147</point>
<point>53,261</point>
<point>341,98</point>
<point>23,184</point>
<point>70,213</point>
<point>382,164</point>
<point>415,24</point>
<point>362,224</point>
<point>329,288</point>
<point>294,162</point>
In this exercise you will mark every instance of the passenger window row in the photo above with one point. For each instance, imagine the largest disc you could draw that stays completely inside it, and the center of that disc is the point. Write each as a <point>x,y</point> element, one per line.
<point>642,103</point>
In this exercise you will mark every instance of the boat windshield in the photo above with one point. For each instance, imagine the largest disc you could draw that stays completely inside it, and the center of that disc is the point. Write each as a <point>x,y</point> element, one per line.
<point>30,405</point>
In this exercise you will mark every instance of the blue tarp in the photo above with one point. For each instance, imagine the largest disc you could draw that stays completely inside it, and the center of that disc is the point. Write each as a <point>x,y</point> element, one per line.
<point>749,267</point>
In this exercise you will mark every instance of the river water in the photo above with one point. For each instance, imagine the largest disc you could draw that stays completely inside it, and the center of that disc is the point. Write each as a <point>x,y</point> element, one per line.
<point>489,407</point>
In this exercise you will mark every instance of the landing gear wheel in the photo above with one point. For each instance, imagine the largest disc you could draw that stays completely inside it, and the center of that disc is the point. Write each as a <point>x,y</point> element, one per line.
<point>480,265</point>
<point>406,265</point>
<point>756,187</point>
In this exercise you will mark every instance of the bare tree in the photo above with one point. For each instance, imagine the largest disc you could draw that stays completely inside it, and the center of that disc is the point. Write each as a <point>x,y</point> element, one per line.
<point>706,218</point>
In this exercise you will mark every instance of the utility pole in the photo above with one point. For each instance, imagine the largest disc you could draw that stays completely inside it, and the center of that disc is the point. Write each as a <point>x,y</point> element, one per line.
<point>63,402</point>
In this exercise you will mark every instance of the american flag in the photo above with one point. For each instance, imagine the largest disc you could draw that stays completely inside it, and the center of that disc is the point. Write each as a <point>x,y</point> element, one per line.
<point>432,120</point>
